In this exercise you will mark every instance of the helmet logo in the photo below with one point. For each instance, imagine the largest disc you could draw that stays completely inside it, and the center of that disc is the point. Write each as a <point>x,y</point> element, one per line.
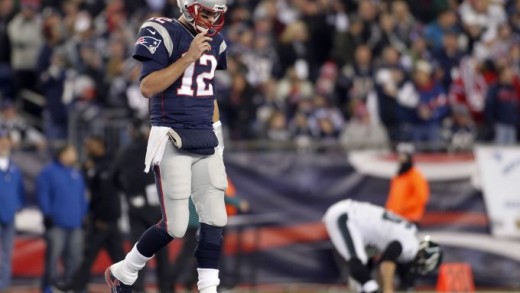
<point>149,43</point>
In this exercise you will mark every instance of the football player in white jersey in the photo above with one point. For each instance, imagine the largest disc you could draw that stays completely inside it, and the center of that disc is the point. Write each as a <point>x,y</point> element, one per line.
<point>353,226</point>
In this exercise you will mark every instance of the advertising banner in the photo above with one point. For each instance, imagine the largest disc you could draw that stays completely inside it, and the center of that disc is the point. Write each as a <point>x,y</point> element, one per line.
<point>499,169</point>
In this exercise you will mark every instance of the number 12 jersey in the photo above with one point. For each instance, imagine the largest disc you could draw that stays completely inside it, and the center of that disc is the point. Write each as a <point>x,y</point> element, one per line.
<point>188,102</point>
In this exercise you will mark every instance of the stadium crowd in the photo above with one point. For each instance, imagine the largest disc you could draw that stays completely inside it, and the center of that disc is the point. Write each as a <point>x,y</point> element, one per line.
<point>440,73</point>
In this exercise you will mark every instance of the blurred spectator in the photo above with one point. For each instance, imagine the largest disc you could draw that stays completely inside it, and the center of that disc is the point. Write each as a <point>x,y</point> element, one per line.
<point>361,131</point>
<point>70,11</point>
<point>61,195</point>
<point>498,47</point>
<point>54,77</point>
<point>460,130</point>
<point>502,108</point>
<point>409,190</point>
<point>24,32</point>
<point>368,11</point>
<point>468,90</point>
<point>261,61</point>
<point>6,14</point>
<point>346,42</point>
<point>316,15</point>
<point>326,120</point>
<point>355,80</point>
<point>292,89</point>
<point>277,129</point>
<point>431,110</point>
<point>514,58</point>
<point>389,35</point>
<point>448,58</point>
<point>300,129</point>
<point>327,80</point>
<point>435,31</point>
<point>142,199</point>
<point>241,110</point>
<point>56,83</point>
<point>418,50</point>
<point>267,104</point>
<point>12,198</point>
<point>396,98</point>
<point>124,93</point>
<point>103,215</point>
<point>514,17</point>
<point>480,19</point>
<point>90,65</point>
<point>407,27</point>
<point>84,110</point>
<point>53,34</point>
<point>116,57</point>
<point>427,11</point>
<point>294,50</point>
<point>22,134</point>
<point>408,197</point>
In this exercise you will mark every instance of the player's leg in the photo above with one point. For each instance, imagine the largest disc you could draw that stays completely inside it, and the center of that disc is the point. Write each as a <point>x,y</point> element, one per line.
<point>138,225</point>
<point>162,270</point>
<point>94,242</point>
<point>7,236</point>
<point>348,241</point>
<point>55,238</point>
<point>72,253</point>
<point>173,180</point>
<point>184,263</point>
<point>209,184</point>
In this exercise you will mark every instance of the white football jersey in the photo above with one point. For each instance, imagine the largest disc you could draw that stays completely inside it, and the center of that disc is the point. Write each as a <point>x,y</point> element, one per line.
<point>372,226</point>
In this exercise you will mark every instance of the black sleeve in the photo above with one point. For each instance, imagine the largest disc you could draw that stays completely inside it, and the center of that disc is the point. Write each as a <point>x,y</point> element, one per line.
<point>392,251</point>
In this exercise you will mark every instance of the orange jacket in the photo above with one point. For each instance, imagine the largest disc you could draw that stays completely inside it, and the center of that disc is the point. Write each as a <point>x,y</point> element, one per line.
<point>408,196</point>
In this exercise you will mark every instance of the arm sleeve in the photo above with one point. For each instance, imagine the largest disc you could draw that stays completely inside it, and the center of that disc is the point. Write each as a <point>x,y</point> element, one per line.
<point>392,251</point>
<point>21,191</point>
<point>153,47</point>
<point>149,66</point>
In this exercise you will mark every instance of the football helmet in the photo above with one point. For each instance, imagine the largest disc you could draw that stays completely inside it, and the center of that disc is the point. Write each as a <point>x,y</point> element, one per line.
<point>428,258</point>
<point>198,12</point>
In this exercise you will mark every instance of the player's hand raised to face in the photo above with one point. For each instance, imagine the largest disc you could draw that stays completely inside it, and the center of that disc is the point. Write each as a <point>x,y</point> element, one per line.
<point>199,45</point>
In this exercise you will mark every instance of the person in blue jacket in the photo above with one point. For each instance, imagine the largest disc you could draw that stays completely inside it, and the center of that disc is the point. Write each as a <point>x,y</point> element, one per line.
<point>12,199</point>
<point>61,195</point>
